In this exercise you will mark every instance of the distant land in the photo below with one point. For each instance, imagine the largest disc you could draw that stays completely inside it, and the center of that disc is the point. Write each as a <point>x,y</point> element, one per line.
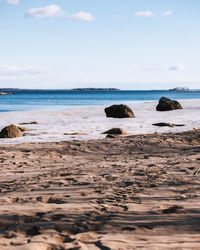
<point>6,93</point>
<point>11,91</point>
<point>6,90</point>
<point>96,89</point>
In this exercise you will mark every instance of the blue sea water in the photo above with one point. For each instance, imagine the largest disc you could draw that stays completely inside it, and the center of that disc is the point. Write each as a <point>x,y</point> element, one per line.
<point>24,100</point>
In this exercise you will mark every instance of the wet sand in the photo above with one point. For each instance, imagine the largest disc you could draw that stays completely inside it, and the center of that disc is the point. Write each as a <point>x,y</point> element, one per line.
<point>133,192</point>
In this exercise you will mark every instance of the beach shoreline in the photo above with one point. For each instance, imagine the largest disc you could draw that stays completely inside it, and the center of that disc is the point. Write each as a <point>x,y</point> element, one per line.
<point>85,123</point>
<point>116,193</point>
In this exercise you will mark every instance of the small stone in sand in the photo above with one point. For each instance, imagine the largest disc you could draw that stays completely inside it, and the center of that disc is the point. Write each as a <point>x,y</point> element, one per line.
<point>27,123</point>
<point>115,131</point>
<point>165,124</point>
<point>75,133</point>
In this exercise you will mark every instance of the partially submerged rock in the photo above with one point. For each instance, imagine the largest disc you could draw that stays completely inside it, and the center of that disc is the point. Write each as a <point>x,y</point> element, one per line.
<point>119,111</point>
<point>75,133</point>
<point>27,123</point>
<point>10,131</point>
<point>166,104</point>
<point>115,131</point>
<point>165,124</point>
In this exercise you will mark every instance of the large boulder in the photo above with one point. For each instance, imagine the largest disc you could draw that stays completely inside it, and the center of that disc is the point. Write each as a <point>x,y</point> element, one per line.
<point>10,131</point>
<point>166,104</point>
<point>115,131</point>
<point>119,111</point>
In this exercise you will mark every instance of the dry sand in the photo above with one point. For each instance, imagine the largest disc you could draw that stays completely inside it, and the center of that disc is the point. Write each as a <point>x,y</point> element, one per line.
<point>134,192</point>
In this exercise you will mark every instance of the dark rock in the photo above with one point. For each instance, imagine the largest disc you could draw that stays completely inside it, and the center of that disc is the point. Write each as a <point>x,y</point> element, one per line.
<point>177,105</point>
<point>110,136</point>
<point>119,111</point>
<point>27,123</point>
<point>115,131</point>
<point>75,133</point>
<point>165,124</point>
<point>166,104</point>
<point>10,131</point>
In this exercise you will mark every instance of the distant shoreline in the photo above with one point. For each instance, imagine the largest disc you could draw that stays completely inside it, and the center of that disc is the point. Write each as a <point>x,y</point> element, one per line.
<point>6,93</point>
<point>4,90</point>
<point>9,91</point>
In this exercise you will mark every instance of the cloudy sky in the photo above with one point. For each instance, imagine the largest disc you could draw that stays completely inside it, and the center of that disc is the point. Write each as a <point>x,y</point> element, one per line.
<point>128,44</point>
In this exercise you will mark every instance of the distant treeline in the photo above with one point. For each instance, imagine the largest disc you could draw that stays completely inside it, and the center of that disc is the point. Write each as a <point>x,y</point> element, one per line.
<point>96,89</point>
<point>76,89</point>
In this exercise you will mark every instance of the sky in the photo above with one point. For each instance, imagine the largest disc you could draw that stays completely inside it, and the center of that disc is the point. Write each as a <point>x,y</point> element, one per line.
<point>126,44</point>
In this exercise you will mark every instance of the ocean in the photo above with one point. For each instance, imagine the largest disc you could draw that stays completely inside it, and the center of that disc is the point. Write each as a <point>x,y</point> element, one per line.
<point>26,100</point>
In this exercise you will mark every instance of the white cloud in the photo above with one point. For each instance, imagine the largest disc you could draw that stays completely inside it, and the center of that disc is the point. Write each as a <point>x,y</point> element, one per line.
<point>14,2</point>
<point>19,71</point>
<point>149,13</point>
<point>45,12</point>
<point>167,13</point>
<point>56,11</point>
<point>83,16</point>
<point>177,67</point>
<point>144,13</point>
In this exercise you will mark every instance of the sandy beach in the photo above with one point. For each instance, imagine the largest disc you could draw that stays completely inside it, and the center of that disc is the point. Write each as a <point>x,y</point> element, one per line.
<point>133,192</point>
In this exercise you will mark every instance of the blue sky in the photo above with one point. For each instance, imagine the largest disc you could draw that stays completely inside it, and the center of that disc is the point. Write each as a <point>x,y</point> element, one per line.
<point>128,44</point>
